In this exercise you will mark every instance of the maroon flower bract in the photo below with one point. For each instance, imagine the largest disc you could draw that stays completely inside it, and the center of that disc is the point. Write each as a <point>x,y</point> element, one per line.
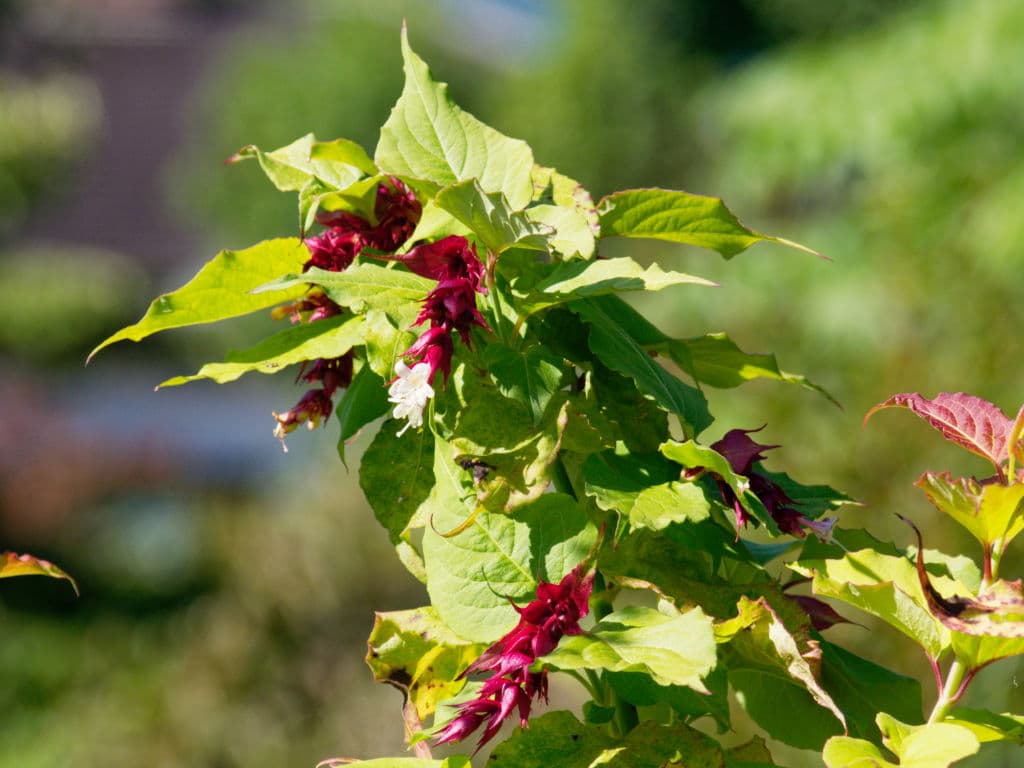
<point>512,686</point>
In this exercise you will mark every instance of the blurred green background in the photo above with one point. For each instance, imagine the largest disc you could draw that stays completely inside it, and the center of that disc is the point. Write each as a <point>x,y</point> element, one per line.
<point>227,588</point>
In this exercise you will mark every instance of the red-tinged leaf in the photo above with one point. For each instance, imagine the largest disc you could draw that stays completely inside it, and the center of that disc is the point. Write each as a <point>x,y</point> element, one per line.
<point>13,564</point>
<point>998,611</point>
<point>963,419</point>
<point>821,614</point>
<point>1016,440</point>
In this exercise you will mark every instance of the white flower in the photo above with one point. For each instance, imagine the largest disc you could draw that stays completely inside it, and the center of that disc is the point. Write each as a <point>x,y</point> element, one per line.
<point>410,393</point>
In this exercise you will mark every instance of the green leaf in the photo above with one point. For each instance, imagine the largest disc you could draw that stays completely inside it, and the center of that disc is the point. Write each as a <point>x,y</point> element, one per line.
<point>581,279</point>
<point>328,338</point>
<point>935,745</point>
<point>365,286</point>
<point>435,223</point>
<point>617,349</point>
<point>490,218</point>
<point>673,649</point>
<point>531,376</point>
<point>991,513</point>
<point>472,574</point>
<point>572,236</point>
<point>644,489</point>
<point>715,360</point>
<point>455,761</point>
<point>13,564</point>
<point>396,475</point>
<point>679,217</point>
<point>847,752</point>
<point>222,289</point>
<point>862,688</point>
<point>365,400</point>
<point>559,739</point>
<point>758,642</point>
<point>885,586</point>
<point>414,651</point>
<point>292,167</point>
<point>641,690</point>
<point>427,136</point>
<point>692,455</point>
<point>989,726</point>
<point>638,422</point>
<point>344,151</point>
<point>386,340</point>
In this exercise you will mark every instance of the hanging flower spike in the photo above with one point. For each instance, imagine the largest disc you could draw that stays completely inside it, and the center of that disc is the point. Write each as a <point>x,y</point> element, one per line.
<point>449,258</point>
<point>314,406</point>
<point>742,453</point>
<point>554,613</point>
<point>397,211</point>
<point>410,392</point>
<point>334,249</point>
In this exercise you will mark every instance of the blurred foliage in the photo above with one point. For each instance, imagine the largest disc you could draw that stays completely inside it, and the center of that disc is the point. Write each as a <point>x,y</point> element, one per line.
<point>886,135</point>
<point>45,123</point>
<point>87,301</point>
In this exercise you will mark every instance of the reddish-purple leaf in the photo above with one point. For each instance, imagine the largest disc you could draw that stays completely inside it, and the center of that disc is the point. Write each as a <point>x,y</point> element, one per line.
<point>963,419</point>
<point>13,564</point>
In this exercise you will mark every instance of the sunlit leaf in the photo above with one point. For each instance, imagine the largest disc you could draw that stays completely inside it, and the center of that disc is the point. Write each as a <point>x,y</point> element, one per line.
<point>489,217</point>
<point>934,745</point>
<point>364,286</point>
<point>13,564</point>
<point>991,513</point>
<point>885,586</point>
<point>415,652</point>
<point>679,217</point>
<point>291,167</point>
<point>582,279</point>
<point>327,339</point>
<point>673,650</point>
<point>223,288</point>
<point>428,136</point>
<point>963,419</point>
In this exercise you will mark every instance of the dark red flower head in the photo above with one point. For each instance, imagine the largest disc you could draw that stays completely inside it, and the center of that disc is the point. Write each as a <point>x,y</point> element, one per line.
<point>449,258</point>
<point>742,453</point>
<point>512,687</point>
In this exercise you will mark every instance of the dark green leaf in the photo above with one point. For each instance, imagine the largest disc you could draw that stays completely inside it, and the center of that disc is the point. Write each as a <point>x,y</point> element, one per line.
<point>531,376</point>
<point>862,688</point>
<point>617,349</point>
<point>716,361</point>
<point>396,476</point>
<point>365,400</point>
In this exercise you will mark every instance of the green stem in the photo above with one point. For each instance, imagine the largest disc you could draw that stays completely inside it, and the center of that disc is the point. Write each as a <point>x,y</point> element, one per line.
<point>951,691</point>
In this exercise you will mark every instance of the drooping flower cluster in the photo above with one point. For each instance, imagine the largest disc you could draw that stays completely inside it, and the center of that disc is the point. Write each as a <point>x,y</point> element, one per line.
<point>512,686</point>
<point>742,453</point>
<point>344,237</point>
<point>450,307</point>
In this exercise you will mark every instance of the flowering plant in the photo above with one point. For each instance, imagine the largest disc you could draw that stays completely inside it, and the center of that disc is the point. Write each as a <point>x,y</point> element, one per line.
<point>540,467</point>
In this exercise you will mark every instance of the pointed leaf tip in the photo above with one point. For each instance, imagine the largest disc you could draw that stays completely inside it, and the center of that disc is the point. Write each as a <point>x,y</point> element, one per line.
<point>965,420</point>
